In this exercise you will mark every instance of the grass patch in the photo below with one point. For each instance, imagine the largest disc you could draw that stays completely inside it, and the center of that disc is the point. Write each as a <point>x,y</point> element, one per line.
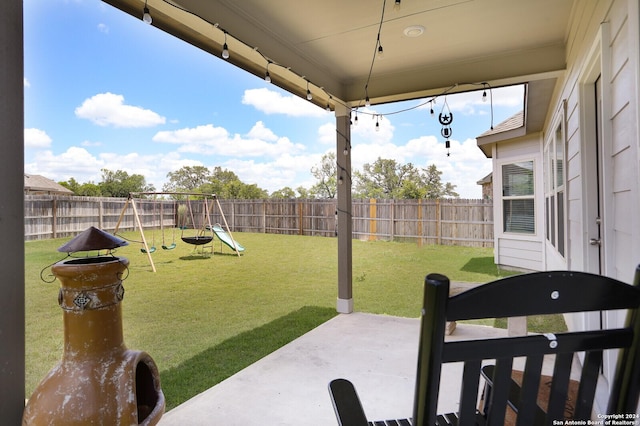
<point>218,314</point>
<point>215,364</point>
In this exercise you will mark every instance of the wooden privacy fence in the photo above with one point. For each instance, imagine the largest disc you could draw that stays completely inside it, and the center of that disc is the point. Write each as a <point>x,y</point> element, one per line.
<point>445,221</point>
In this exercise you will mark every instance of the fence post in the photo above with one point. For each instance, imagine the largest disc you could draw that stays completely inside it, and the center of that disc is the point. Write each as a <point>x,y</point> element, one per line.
<point>100,215</point>
<point>392,215</point>
<point>54,216</point>
<point>264,216</point>
<point>420,228</point>
<point>438,222</point>
<point>373,221</point>
<point>300,217</point>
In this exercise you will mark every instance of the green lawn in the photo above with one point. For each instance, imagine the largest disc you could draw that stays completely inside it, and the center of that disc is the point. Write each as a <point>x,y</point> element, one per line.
<point>204,318</point>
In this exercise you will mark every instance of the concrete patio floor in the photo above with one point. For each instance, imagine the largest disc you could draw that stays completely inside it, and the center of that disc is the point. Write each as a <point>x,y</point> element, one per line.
<point>289,387</point>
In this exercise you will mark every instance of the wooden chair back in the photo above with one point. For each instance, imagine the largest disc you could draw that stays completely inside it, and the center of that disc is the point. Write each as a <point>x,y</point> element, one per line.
<point>537,293</point>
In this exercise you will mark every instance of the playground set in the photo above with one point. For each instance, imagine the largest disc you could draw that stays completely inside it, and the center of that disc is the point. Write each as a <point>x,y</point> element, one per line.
<point>203,234</point>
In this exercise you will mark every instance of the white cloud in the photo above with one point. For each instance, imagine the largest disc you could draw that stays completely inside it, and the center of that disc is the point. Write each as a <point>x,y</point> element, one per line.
<point>106,109</point>
<point>471,103</point>
<point>36,138</point>
<point>463,168</point>
<point>287,170</point>
<point>75,162</point>
<point>90,143</point>
<point>364,128</point>
<point>259,131</point>
<point>327,134</point>
<point>210,140</point>
<point>272,102</point>
<point>26,82</point>
<point>84,167</point>
<point>103,28</point>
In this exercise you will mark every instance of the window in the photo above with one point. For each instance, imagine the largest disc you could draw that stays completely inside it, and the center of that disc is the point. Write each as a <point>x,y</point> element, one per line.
<point>555,189</point>
<point>518,208</point>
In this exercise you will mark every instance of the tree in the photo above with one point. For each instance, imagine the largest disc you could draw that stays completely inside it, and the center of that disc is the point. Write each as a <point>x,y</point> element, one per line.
<point>384,178</point>
<point>434,186</point>
<point>187,179</point>
<point>71,185</point>
<point>304,192</point>
<point>283,193</point>
<point>389,179</point>
<point>120,184</point>
<point>226,184</point>
<point>325,173</point>
<point>89,189</point>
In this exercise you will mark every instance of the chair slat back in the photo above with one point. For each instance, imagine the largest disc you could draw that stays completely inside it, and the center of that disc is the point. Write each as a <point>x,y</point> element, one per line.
<point>555,292</point>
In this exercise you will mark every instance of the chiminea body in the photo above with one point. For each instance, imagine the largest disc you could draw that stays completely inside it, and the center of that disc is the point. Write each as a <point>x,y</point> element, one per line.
<point>98,381</point>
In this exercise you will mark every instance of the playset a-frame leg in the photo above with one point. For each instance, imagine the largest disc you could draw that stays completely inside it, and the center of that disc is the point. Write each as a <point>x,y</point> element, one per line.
<point>139,225</point>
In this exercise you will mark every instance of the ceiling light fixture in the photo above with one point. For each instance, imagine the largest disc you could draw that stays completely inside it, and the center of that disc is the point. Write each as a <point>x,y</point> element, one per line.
<point>414,31</point>
<point>309,95</point>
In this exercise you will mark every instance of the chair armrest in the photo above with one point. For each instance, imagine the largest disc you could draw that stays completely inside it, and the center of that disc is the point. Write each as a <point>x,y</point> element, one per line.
<point>346,403</point>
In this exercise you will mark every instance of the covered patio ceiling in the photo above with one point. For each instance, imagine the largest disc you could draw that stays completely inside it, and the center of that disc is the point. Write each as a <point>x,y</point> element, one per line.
<point>328,47</point>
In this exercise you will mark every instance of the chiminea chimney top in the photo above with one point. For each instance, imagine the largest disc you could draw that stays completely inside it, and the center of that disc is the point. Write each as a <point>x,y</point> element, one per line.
<point>92,239</point>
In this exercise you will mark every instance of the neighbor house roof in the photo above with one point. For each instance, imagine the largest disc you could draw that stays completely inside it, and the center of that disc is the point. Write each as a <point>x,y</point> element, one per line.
<point>37,183</point>
<point>513,127</point>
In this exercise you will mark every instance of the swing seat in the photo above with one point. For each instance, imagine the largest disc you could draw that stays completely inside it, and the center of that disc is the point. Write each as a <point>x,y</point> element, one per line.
<point>151,249</point>
<point>198,241</point>
<point>169,247</point>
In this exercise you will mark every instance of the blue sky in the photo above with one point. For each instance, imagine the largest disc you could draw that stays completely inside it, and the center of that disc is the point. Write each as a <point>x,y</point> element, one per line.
<point>104,90</point>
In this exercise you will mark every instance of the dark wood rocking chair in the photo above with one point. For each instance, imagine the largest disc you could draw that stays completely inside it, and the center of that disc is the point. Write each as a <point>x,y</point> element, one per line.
<point>521,295</point>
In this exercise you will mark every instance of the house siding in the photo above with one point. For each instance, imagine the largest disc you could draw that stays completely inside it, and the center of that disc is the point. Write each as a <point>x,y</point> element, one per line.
<point>615,24</point>
<point>620,158</point>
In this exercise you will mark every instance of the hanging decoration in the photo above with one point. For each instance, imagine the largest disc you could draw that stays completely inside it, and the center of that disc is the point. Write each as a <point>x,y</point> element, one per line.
<point>445,120</point>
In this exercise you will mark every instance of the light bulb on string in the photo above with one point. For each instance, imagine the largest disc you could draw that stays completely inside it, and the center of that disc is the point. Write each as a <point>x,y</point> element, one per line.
<point>367,102</point>
<point>146,16</point>
<point>225,47</point>
<point>484,96</point>
<point>396,5</point>
<point>377,124</point>
<point>309,95</point>
<point>267,76</point>
<point>380,51</point>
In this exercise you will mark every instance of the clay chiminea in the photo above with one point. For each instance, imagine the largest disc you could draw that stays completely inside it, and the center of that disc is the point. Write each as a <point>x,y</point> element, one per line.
<point>98,381</point>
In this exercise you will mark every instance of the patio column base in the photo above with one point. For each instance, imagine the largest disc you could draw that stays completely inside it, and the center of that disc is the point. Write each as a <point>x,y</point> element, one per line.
<point>344,306</point>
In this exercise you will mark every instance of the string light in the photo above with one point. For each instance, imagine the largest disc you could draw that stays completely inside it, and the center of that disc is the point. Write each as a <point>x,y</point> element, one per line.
<point>225,48</point>
<point>378,50</point>
<point>267,76</point>
<point>146,16</point>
